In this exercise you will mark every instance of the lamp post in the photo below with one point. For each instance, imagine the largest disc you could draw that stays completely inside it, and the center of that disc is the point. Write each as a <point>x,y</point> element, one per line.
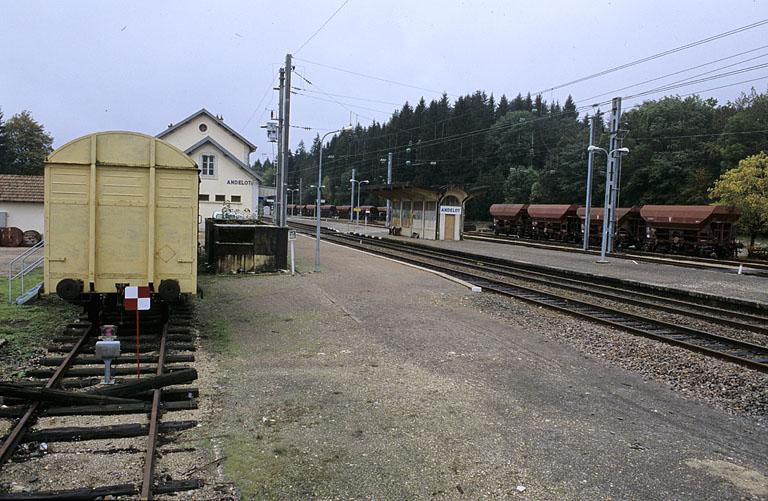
<point>608,210</point>
<point>317,204</point>
<point>359,187</point>
<point>292,191</point>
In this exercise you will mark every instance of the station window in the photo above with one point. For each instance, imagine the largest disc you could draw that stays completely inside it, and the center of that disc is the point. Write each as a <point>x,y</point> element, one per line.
<point>203,127</point>
<point>203,197</point>
<point>235,198</point>
<point>221,198</point>
<point>209,165</point>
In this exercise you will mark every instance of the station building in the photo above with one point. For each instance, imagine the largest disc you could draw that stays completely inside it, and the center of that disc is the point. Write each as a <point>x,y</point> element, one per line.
<point>223,157</point>
<point>422,212</point>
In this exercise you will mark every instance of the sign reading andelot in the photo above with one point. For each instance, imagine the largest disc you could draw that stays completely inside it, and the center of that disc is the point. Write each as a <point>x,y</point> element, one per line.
<point>244,182</point>
<point>450,209</point>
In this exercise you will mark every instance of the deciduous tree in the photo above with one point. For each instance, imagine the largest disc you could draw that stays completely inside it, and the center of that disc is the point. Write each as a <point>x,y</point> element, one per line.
<point>746,187</point>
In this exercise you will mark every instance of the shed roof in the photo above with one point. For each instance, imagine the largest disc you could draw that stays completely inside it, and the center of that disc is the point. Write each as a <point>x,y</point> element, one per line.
<point>551,211</point>
<point>15,188</point>
<point>687,215</point>
<point>507,210</point>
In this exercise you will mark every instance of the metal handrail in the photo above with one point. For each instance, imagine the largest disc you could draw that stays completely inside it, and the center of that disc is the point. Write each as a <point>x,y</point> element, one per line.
<point>24,267</point>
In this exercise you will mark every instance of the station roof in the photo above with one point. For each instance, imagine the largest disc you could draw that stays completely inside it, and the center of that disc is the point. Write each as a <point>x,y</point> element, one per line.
<point>687,215</point>
<point>410,191</point>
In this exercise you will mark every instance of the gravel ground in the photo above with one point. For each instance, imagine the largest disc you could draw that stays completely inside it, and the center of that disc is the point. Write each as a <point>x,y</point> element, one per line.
<point>371,379</point>
<point>727,386</point>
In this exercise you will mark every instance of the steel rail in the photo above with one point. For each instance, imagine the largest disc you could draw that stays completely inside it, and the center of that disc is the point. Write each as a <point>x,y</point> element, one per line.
<point>740,352</point>
<point>10,443</point>
<point>154,423</point>
<point>712,314</point>
<point>652,257</point>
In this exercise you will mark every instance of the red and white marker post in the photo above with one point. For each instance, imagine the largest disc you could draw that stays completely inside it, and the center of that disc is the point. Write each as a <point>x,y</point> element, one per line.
<point>137,299</point>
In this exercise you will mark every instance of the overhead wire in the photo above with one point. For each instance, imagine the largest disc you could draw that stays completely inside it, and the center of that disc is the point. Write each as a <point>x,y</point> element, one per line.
<point>372,77</point>
<point>345,2</point>
<point>682,71</point>
<point>657,55</point>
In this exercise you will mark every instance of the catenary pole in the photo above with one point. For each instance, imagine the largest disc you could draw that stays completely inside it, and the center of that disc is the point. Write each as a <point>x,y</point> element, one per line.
<point>615,157</point>
<point>610,179</point>
<point>389,183</point>
<point>352,200</point>
<point>277,208</point>
<point>286,125</point>
<point>588,205</point>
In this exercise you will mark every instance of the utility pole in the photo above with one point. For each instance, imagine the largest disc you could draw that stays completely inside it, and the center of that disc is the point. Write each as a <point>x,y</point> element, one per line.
<point>615,159</point>
<point>280,178</point>
<point>610,181</point>
<point>590,158</point>
<point>352,201</point>
<point>286,127</point>
<point>389,182</point>
<point>300,182</point>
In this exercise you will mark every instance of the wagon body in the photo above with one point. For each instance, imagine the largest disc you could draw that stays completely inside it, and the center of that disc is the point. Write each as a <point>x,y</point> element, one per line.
<point>121,208</point>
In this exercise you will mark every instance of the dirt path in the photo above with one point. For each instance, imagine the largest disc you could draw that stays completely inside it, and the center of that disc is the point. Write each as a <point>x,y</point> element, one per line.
<point>372,379</point>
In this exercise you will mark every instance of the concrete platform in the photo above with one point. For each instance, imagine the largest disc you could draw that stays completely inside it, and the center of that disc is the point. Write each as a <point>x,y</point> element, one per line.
<point>375,380</point>
<point>720,282</point>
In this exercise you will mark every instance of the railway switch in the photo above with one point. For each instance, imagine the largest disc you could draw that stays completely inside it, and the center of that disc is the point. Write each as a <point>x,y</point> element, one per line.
<point>107,349</point>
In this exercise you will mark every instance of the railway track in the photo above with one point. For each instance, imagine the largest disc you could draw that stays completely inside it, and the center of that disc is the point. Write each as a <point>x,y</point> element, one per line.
<point>478,268</point>
<point>68,386</point>
<point>752,266</point>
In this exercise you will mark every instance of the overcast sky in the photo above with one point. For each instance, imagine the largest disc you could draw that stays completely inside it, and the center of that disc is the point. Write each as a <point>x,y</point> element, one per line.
<point>87,66</point>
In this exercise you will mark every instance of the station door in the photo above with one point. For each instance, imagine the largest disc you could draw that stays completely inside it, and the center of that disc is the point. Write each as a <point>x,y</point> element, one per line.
<point>450,226</point>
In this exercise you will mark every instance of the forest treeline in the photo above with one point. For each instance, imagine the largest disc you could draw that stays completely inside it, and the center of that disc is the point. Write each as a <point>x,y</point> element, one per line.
<point>529,150</point>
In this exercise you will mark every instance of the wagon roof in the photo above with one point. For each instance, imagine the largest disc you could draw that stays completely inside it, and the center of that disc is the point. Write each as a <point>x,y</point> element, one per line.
<point>596,213</point>
<point>551,211</point>
<point>131,149</point>
<point>384,209</point>
<point>326,207</point>
<point>506,210</point>
<point>343,207</point>
<point>692,215</point>
<point>367,207</point>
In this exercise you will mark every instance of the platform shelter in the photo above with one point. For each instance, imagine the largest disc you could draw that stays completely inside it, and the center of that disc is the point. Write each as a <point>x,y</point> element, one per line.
<point>424,212</point>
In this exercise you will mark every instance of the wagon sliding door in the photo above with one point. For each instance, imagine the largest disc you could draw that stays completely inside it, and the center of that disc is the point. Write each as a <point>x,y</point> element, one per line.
<point>176,227</point>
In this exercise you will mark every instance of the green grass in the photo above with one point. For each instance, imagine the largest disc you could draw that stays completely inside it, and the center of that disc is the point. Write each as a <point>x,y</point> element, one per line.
<point>26,328</point>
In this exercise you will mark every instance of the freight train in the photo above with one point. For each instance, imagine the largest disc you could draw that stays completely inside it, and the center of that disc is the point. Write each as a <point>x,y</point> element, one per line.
<point>121,209</point>
<point>696,230</point>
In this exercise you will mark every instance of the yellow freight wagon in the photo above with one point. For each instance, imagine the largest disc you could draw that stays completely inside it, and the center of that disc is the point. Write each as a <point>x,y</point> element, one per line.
<point>120,209</point>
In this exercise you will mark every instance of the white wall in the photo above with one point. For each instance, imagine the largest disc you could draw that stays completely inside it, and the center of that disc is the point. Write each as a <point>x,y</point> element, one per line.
<point>24,215</point>
<point>230,179</point>
<point>189,134</point>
